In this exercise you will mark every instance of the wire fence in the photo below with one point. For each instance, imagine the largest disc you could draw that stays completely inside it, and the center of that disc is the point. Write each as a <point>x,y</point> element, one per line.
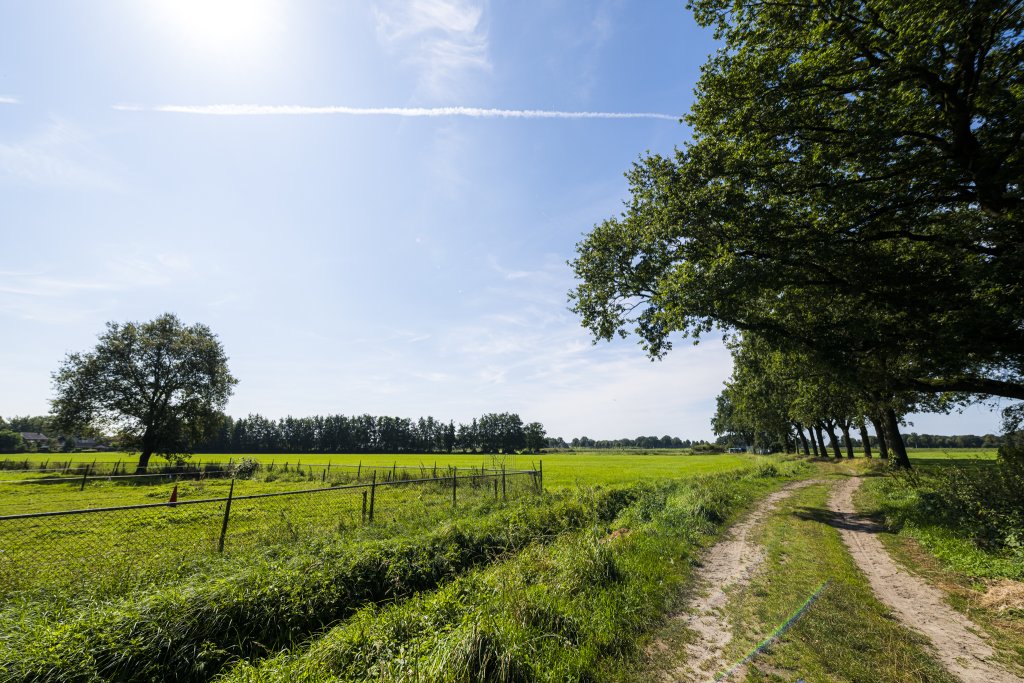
<point>129,543</point>
<point>81,473</point>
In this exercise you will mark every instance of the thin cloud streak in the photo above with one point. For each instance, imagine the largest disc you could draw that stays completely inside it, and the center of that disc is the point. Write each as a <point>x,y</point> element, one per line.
<point>9,100</point>
<point>407,112</point>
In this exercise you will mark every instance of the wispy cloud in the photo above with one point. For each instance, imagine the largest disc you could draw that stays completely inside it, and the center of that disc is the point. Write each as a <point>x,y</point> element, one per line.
<point>59,154</point>
<point>6,99</point>
<point>444,39</point>
<point>45,296</point>
<point>408,112</point>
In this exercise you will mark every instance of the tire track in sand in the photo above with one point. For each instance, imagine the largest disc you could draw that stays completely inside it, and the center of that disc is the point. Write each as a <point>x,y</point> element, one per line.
<point>918,605</point>
<point>729,564</point>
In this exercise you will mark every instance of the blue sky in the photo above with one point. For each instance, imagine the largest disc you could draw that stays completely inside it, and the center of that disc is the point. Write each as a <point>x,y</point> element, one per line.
<point>350,260</point>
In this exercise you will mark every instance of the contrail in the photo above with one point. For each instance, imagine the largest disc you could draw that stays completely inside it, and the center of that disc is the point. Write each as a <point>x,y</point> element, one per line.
<point>409,112</point>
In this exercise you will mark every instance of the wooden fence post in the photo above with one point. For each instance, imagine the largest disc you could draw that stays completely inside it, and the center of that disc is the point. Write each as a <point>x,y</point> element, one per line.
<point>364,507</point>
<point>227,513</point>
<point>84,477</point>
<point>455,486</point>
<point>373,494</point>
<point>503,496</point>
<point>542,476</point>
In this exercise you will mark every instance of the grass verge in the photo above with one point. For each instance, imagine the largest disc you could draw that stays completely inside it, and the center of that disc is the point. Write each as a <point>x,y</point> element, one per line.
<point>983,584</point>
<point>189,631</point>
<point>562,612</point>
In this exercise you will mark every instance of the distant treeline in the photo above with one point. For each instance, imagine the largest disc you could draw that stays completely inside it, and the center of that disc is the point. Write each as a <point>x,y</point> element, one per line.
<point>638,442</point>
<point>490,433</point>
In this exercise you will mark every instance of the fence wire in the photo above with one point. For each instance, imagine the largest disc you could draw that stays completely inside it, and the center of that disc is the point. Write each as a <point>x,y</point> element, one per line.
<point>127,544</point>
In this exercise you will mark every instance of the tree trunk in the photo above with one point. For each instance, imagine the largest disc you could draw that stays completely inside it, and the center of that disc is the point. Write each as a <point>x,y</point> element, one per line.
<point>814,442</point>
<point>845,426</point>
<point>147,449</point>
<point>830,428</point>
<point>866,439</point>
<point>822,450</point>
<point>803,439</point>
<point>883,443</point>
<point>896,440</point>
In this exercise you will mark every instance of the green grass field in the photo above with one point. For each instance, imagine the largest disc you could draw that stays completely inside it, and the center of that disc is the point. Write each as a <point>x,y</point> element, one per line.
<point>560,469</point>
<point>279,593</point>
<point>952,453</point>
<point>568,584</point>
<point>122,549</point>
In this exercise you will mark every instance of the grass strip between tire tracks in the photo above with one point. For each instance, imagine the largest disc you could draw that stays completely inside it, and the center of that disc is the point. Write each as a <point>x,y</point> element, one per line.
<point>846,636</point>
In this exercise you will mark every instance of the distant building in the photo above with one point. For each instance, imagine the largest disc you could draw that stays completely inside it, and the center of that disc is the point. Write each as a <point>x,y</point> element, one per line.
<point>39,440</point>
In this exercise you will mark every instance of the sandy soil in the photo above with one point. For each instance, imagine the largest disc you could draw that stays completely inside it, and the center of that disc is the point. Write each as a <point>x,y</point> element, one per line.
<point>728,566</point>
<point>918,605</point>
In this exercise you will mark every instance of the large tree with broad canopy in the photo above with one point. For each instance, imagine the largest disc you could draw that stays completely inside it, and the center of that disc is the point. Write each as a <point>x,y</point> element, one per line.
<point>159,384</point>
<point>852,190</point>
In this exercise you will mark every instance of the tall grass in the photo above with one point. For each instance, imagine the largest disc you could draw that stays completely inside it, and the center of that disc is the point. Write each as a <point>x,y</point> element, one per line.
<point>188,631</point>
<point>970,517</point>
<point>550,613</point>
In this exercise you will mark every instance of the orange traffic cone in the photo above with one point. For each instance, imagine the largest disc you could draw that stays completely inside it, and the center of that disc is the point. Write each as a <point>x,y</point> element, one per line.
<point>174,495</point>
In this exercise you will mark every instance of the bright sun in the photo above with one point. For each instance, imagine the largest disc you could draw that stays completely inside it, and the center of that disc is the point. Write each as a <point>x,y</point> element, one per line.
<point>229,28</point>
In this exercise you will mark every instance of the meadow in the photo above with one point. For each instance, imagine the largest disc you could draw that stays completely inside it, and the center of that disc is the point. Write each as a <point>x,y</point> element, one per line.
<point>561,469</point>
<point>564,584</point>
<point>275,598</point>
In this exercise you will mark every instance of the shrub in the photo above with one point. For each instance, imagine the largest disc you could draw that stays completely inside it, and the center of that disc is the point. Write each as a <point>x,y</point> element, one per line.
<point>246,468</point>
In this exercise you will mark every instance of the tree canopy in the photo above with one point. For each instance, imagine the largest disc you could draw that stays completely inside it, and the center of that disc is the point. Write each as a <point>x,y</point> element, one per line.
<point>159,384</point>
<point>852,192</point>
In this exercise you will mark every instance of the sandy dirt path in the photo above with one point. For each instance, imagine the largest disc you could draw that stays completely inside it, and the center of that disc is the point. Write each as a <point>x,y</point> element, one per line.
<point>918,605</point>
<point>728,565</point>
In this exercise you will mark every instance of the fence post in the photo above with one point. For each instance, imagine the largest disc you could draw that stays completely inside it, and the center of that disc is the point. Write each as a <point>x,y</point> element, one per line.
<point>495,489</point>
<point>394,467</point>
<point>359,471</point>
<point>373,494</point>
<point>323,479</point>
<point>434,474</point>
<point>227,513</point>
<point>541,476</point>
<point>364,507</point>
<point>455,486</point>
<point>84,476</point>
<point>503,496</point>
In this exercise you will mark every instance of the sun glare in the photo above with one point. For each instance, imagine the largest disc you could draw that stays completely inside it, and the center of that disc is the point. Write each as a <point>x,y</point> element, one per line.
<point>229,28</point>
